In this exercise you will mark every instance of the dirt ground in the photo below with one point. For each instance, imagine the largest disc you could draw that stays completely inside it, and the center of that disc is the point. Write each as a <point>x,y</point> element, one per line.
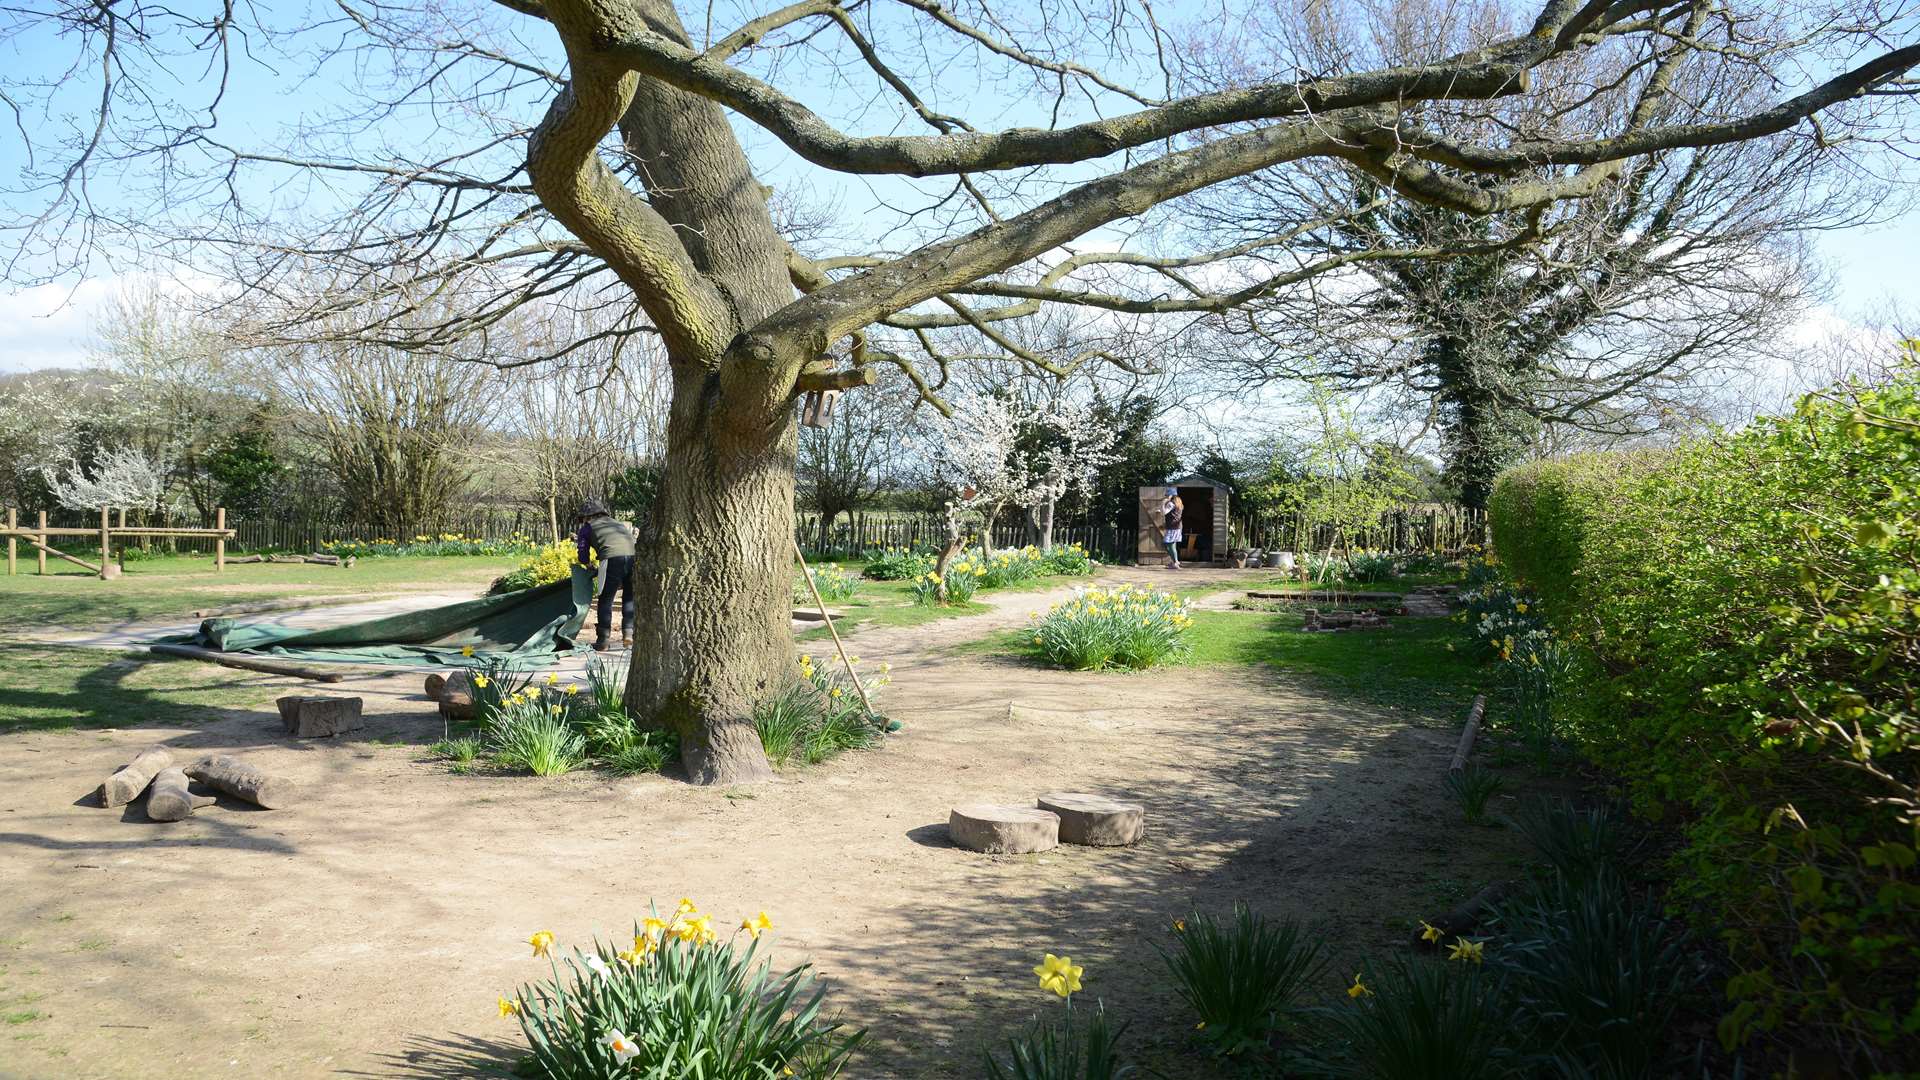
<point>366,931</point>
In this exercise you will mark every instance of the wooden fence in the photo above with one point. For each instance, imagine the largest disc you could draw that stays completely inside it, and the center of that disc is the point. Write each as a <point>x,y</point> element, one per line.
<point>41,535</point>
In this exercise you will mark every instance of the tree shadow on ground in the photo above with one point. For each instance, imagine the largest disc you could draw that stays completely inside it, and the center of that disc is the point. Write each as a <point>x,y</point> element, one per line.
<point>449,1057</point>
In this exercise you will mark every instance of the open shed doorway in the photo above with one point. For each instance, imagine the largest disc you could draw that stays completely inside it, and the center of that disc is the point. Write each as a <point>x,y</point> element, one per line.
<point>1203,522</point>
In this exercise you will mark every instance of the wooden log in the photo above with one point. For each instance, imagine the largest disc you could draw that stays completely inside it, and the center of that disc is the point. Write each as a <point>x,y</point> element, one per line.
<point>125,785</point>
<point>308,717</point>
<point>324,560</point>
<point>1095,820</point>
<point>45,551</point>
<point>436,685</point>
<point>1003,830</point>
<point>169,799</point>
<point>246,558</point>
<point>241,780</point>
<point>246,663</point>
<point>1468,733</point>
<point>1467,915</point>
<point>220,543</point>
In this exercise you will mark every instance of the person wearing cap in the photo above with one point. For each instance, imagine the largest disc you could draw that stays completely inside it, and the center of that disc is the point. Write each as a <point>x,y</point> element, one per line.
<point>613,541</point>
<point>1171,512</point>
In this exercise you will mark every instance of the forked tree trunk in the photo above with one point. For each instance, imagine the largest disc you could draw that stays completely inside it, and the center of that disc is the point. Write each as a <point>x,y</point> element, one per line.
<point>716,638</point>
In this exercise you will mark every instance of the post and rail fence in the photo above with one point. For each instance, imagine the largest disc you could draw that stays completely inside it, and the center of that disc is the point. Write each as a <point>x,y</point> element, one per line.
<point>41,534</point>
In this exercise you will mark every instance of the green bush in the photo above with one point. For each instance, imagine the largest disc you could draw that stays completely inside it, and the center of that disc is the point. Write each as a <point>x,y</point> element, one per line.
<point>1071,560</point>
<point>649,752</point>
<point>898,563</point>
<point>1076,1048</point>
<point>1471,787</point>
<point>819,716</point>
<point>834,584</point>
<point>1422,1020</point>
<point>680,1005</point>
<point>531,731</point>
<point>1242,976</point>
<point>440,544</point>
<point>1745,608</point>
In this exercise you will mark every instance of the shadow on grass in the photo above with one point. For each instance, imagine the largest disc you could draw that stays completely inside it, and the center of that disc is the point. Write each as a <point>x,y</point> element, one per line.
<point>448,1056</point>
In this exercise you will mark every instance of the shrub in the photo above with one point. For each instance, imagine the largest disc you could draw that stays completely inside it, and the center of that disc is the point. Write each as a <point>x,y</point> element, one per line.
<point>1422,1020</point>
<point>1583,845</point>
<point>1745,607</point>
<point>1472,786</point>
<point>1369,567</point>
<point>546,565</point>
<point>1128,626</point>
<point>898,564</point>
<point>458,751</point>
<point>833,582</point>
<point>1241,977</point>
<point>649,752</point>
<point>680,1003</point>
<point>1012,567</point>
<point>818,717</point>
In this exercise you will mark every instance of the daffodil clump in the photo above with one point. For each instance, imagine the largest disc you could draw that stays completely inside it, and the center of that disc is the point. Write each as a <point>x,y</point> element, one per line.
<point>1507,623</point>
<point>834,583</point>
<point>821,714</point>
<point>1077,1046</point>
<point>544,566</point>
<point>422,544</point>
<point>1243,976</point>
<point>1129,626</point>
<point>964,577</point>
<point>898,563</point>
<point>1068,560</point>
<point>680,1000</point>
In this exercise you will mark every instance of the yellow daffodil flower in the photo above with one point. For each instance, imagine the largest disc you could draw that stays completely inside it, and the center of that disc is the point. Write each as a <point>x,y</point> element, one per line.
<point>686,907</point>
<point>633,957</point>
<point>1520,607</point>
<point>1463,949</point>
<point>1179,926</point>
<point>553,678</point>
<point>651,929</point>
<point>508,1007</point>
<point>1058,974</point>
<point>1358,989</point>
<point>573,688</point>
<point>1430,932</point>
<point>541,942</point>
<point>466,650</point>
<point>754,925</point>
<point>480,681</point>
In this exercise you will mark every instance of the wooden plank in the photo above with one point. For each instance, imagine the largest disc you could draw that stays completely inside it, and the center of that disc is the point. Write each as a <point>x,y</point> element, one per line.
<point>13,523</point>
<point>106,544</point>
<point>228,533</point>
<point>220,544</point>
<point>46,551</point>
<point>1468,733</point>
<point>41,555</point>
<point>246,663</point>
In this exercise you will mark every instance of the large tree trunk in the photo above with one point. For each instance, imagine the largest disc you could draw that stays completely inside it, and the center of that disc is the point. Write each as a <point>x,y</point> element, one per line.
<point>717,639</point>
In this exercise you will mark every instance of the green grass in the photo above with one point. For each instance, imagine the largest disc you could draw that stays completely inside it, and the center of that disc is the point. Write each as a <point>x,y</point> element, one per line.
<point>1405,666</point>
<point>890,603</point>
<point>177,585</point>
<point>47,688</point>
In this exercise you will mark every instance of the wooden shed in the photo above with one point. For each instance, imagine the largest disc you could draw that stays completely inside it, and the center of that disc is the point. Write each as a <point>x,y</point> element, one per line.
<point>1204,515</point>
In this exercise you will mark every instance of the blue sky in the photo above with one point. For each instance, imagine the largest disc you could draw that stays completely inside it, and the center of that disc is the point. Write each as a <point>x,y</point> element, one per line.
<point>50,325</point>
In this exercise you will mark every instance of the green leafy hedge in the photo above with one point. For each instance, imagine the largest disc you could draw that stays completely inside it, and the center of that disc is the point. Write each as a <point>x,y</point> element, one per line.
<point>1751,608</point>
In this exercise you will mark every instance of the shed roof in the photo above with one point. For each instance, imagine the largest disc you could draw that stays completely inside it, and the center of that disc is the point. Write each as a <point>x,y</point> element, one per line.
<point>1195,479</point>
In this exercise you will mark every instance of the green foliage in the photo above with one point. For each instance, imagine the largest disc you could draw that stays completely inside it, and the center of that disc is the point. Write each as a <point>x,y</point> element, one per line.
<point>1070,560</point>
<point>689,1010</point>
<point>818,716</point>
<point>1076,1048</point>
<point>1369,567</point>
<point>647,752</point>
<point>1471,787</point>
<point>633,490</point>
<point>1243,976</point>
<point>898,564</point>
<point>459,751</point>
<point>243,468</point>
<point>962,580</point>
<point>1422,1020</point>
<point>1746,607</point>
<point>1582,844</point>
<point>540,741</point>
<point>1127,626</point>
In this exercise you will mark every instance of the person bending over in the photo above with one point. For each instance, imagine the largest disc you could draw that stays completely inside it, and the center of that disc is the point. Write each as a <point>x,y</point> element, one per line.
<point>599,532</point>
<point>1171,513</point>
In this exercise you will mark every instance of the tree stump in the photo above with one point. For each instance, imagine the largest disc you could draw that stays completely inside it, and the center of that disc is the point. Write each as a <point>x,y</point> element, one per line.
<point>1003,830</point>
<point>436,685</point>
<point>169,799</point>
<point>126,785</point>
<point>241,780</point>
<point>1095,820</point>
<point>319,717</point>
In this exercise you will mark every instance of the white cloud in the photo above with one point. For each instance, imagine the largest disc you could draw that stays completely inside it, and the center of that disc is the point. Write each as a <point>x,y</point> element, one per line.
<point>51,325</point>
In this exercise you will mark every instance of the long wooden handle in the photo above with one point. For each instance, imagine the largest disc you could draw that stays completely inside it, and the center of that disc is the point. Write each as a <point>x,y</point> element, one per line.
<point>807,572</point>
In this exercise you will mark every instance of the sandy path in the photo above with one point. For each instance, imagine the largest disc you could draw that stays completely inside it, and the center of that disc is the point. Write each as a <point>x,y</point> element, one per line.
<point>366,931</point>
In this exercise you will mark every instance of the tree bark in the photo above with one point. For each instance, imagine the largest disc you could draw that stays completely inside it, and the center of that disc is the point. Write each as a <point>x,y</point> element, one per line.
<point>239,779</point>
<point>131,779</point>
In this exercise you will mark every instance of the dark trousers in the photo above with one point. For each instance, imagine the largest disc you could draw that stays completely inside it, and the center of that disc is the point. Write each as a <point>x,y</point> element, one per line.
<point>619,577</point>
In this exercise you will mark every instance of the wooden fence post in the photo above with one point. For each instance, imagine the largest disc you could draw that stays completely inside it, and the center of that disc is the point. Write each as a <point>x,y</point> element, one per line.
<point>40,566</point>
<point>13,522</point>
<point>220,542</point>
<point>106,544</point>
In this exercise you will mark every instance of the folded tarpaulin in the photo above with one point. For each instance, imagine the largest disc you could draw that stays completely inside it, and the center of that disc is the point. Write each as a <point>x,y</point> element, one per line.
<point>532,625</point>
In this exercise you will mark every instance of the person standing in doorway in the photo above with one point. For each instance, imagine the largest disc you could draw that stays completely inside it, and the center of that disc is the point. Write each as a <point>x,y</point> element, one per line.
<point>1172,512</point>
<point>613,541</point>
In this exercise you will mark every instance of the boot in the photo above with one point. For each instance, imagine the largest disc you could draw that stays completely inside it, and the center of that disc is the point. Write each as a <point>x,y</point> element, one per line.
<point>599,642</point>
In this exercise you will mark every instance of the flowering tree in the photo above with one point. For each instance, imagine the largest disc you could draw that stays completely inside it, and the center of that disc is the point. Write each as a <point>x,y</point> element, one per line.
<point>124,476</point>
<point>986,447</point>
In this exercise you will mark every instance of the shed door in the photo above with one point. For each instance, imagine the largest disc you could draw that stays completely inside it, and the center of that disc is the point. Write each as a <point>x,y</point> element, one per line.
<point>1151,550</point>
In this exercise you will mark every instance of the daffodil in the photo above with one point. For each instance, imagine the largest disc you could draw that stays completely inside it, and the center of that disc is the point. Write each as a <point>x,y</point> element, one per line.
<point>756,924</point>
<point>1179,926</point>
<point>1520,607</point>
<point>508,1007</point>
<point>573,688</point>
<point>596,965</point>
<point>633,957</point>
<point>541,942</point>
<point>696,929</point>
<point>1463,949</point>
<point>466,650</point>
<point>1058,974</point>
<point>481,681</point>
<point>624,1049</point>
<point>1358,989</point>
<point>1430,932</point>
<point>553,678</point>
<point>651,929</point>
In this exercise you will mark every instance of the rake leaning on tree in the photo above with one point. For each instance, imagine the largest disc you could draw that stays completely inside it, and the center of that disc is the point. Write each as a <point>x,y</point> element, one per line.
<point>637,161</point>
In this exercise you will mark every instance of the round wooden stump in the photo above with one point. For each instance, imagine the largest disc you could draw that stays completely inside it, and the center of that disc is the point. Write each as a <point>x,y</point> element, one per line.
<point>1003,830</point>
<point>1095,820</point>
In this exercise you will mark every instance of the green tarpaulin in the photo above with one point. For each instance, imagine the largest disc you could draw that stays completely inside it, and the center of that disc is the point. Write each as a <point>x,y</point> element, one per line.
<point>534,626</point>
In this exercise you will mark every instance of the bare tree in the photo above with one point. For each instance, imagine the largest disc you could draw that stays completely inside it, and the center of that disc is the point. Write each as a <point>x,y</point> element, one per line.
<point>840,468</point>
<point>634,174</point>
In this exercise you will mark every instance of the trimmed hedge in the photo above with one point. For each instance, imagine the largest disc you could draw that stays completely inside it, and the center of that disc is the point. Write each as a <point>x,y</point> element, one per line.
<point>1750,606</point>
